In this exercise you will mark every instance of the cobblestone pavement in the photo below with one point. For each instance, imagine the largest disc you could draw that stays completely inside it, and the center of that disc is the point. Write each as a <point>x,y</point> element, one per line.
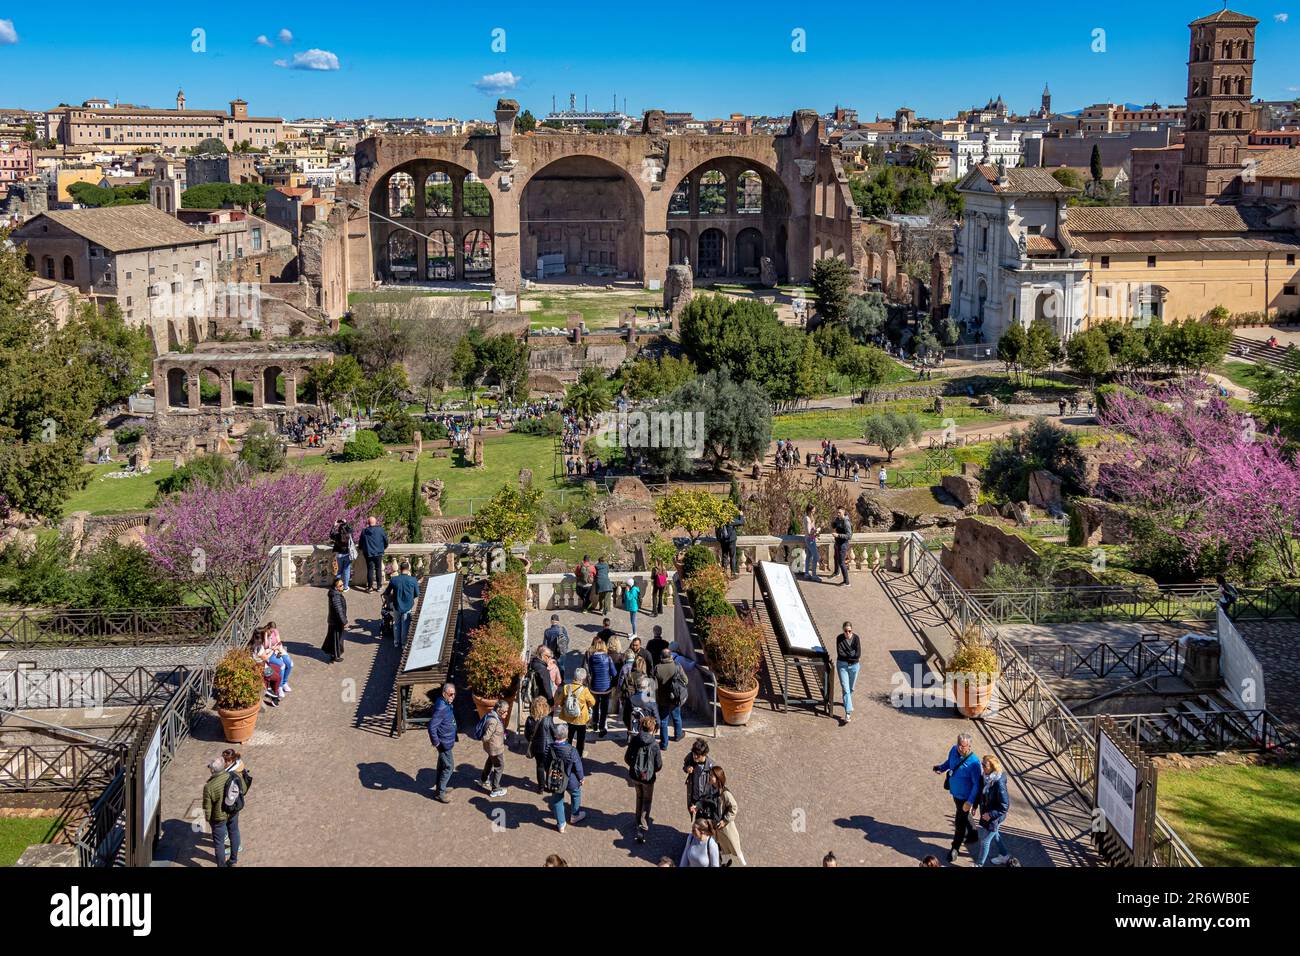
<point>1274,646</point>
<point>88,658</point>
<point>331,787</point>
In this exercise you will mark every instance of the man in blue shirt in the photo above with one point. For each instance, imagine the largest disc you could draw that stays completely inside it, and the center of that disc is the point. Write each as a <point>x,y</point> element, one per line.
<point>442,734</point>
<point>965,780</point>
<point>402,591</point>
<point>373,544</point>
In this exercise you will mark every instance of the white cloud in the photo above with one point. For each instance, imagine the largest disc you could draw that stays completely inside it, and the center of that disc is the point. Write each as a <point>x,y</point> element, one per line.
<point>322,60</point>
<point>285,36</point>
<point>263,41</point>
<point>7,32</point>
<point>496,83</point>
<point>1281,17</point>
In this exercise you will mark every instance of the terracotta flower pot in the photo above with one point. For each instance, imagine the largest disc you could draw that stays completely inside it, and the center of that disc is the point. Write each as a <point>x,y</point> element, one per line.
<point>736,705</point>
<point>483,704</point>
<point>237,725</point>
<point>974,692</point>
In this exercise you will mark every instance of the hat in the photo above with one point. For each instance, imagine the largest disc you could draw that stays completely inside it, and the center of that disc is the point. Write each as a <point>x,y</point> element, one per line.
<point>631,583</point>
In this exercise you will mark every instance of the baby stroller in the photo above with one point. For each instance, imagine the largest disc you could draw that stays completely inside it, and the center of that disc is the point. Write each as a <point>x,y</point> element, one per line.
<point>386,626</point>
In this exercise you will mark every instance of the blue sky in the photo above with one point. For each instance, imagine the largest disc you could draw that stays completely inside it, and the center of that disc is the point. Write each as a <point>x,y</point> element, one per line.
<point>707,58</point>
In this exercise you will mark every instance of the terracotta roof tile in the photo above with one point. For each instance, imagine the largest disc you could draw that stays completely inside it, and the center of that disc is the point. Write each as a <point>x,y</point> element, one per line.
<point>119,228</point>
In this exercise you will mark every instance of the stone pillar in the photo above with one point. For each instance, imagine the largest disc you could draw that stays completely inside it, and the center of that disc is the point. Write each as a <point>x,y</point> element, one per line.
<point>228,390</point>
<point>259,388</point>
<point>458,196</point>
<point>887,273</point>
<point>421,256</point>
<point>420,175</point>
<point>458,237</point>
<point>290,389</point>
<point>194,399</point>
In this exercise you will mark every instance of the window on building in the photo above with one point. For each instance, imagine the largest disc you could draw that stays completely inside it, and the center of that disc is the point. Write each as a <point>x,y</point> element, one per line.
<point>1151,262</point>
<point>1105,262</point>
<point>151,270</point>
<point>1288,290</point>
<point>1290,258</point>
<point>257,240</point>
<point>176,288</point>
<point>984,238</point>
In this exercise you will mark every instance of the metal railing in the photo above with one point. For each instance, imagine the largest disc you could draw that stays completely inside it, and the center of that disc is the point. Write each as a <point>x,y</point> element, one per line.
<point>47,628</point>
<point>1182,731</point>
<point>1142,659</point>
<point>102,835</point>
<point>45,768</point>
<point>32,688</point>
<point>1168,604</point>
<point>1066,738</point>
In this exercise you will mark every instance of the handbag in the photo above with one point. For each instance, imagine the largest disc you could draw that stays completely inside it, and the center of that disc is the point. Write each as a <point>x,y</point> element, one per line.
<point>352,549</point>
<point>947,778</point>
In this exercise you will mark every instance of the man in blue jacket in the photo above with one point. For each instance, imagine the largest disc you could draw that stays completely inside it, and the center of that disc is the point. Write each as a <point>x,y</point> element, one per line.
<point>442,734</point>
<point>402,590</point>
<point>604,586</point>
<point>373,544</point>
<point>965,780</point>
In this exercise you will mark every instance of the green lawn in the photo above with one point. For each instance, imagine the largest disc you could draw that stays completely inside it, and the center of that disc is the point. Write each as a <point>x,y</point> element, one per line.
<point>589,542</point>
<point>405,295</point>
<point>1241,374</point>
<point>103,496</point>
<point>18,833</point>
<point>599,309</point>
<point>842,423</point>
<point>1235,815</point>
<point>503,457</point>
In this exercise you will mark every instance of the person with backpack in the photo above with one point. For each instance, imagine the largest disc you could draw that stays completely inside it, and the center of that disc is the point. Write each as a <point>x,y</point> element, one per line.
<point>701,848</point>
<point>701,796</point>
<point>564,774</point>
<point>603,675</point>
<point>539,731</point>
<point>575,702</point>
<point>658,585</point>
<point>671,690</point>
<point>223,799</point>
<point>604,586</point>
<point>585,577</point>
<point>843,531</point>
<point>726,831</point>
<point>633,684</point>
<point>644,761</point>
<point>632,603</point>
<point>634,649</point>
<point>546,673</point>
<point>556,637</point>
<point>491,730</point>
<point>964,781</point>
<point>442,734</point>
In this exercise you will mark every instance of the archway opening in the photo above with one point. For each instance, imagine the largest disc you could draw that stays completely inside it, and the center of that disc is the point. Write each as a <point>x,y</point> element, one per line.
<point>178,393</point>
<point>478,254</point>
<point>441,256</point>
<point>582,216</point>
<point>679,247</point>
<point>749,252</point>
<point>210,388</point>
<point>273,385</point>
<point>401,254</point>
<point>401,195</point>
<point>241,389</point>
<point>712,261</point>
<point>713,193</point>
<point>749,193</point>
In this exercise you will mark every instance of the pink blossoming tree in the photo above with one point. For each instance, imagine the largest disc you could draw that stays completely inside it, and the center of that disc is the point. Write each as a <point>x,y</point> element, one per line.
<point>216,540</point>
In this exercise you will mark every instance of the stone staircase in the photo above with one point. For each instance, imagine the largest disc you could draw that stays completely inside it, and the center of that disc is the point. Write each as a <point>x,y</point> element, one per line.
<point>1254,350</point>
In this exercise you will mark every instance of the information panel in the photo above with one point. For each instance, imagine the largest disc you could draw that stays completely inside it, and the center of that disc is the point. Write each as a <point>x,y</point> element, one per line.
<point>787,607</point>
<point>431,628</point>
<point>1116,788</point>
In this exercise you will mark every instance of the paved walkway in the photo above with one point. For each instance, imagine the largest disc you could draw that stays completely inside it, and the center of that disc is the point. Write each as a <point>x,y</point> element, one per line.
<point>331,787</point>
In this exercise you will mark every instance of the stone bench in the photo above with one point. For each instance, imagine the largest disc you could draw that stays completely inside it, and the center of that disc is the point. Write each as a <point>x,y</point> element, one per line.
<point>940,644</point>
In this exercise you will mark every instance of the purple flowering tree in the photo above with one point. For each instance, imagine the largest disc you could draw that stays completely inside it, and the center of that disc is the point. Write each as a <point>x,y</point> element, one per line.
<point>1206,474</point>
<point>215,540</point>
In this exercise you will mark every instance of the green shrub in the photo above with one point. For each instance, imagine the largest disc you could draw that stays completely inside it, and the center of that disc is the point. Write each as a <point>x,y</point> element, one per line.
<point>735,650</point>
<point>395,427</point>
<point>1108,392</point>
<point>502,609</point>
<point>262,451</point>
<point>549,424</point>
<point>972,658</point>
<point>433,431</point>
<point>210,470</point>
<point>128,435</point>
<point>710,578</point>
<point>364,447</point>
<point>709,606</point>
<point>237,682</point>
<point>697,556</point>
<point>492,665</point>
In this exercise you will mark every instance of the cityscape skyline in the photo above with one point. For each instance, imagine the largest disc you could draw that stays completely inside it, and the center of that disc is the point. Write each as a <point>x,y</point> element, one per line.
<point>285,66</point>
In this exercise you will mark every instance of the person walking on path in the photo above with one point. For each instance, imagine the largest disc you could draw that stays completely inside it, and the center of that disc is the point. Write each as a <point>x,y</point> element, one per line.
<point>546,674</point>
<point>373,544</point>
<point>556,637</point>
<point>539,731</point>
<point>727,833</point>
<point>884,477</point>
<point>655,646</point>
<point>442,734</point>
<point>701,848</point>
<point>493,735</point>
<point>402,591</point>
<point>848,656</point>
<point>585,577</point>
<point>699,784</point>
<point>345,550</point>
<point>637,691</point>
<point>963,780</point>
<point>566,761</point>
<point>994,803</point>
<point>644,760</point>
<point>658,585</point>
<point>670,695</point>
<point>632,603</point>
<point>221,813</point>
<point>575,702</point>
<point>843,534</point>
<point>726,535</point>
<point>604,586</point>
<point>810,532</point>
<point>603,675</point>
<point>338,622</point>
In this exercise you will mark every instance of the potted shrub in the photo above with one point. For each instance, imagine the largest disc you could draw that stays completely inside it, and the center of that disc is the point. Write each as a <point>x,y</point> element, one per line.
<point>710,578</point>
<point>502,609</point>
<point>735,651</point>
<point>694,558</point>
<point>973,670</point>
<point>493,666</point>
<point>237,688</point>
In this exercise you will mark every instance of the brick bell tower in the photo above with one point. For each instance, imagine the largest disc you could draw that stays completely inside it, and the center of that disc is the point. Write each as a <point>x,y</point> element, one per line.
<point>1220,68</point>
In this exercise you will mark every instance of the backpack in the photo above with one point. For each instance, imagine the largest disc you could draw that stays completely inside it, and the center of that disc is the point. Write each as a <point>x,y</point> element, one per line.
<point>678,688</point>
<point>630,680</point>
<point>709,806</point>
<point>572,708</point>
<point>643,765</point>
<point>557,774</point>
<point>481,727</point>
<point>661,580</point>
<point>232,800</point>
